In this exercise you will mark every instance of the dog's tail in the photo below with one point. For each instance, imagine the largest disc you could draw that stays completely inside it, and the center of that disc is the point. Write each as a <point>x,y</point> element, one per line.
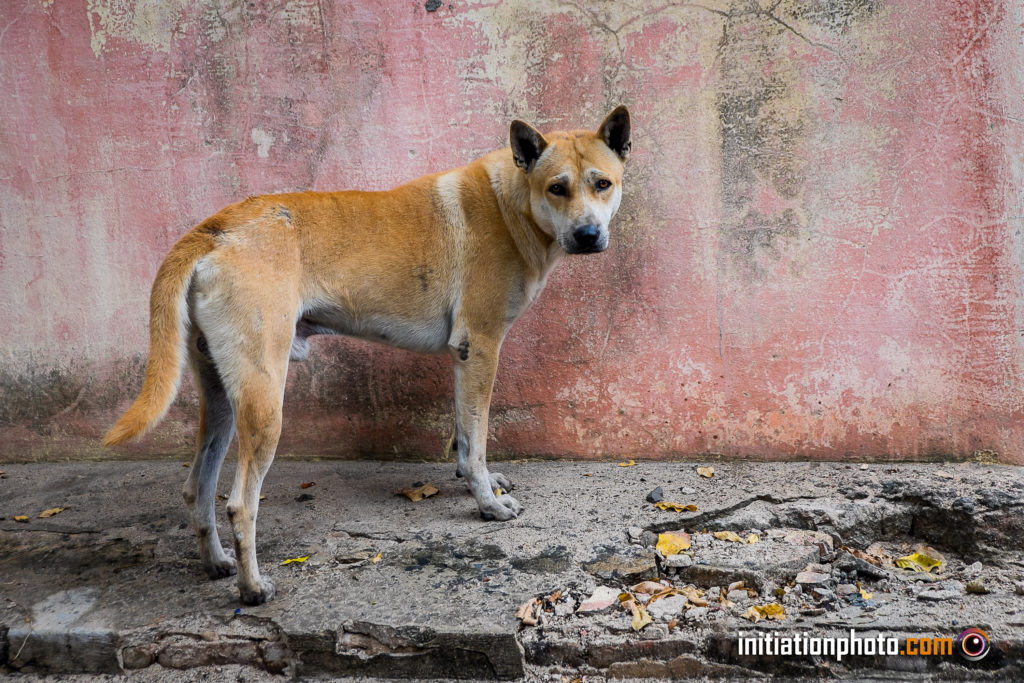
<point>168,334</point>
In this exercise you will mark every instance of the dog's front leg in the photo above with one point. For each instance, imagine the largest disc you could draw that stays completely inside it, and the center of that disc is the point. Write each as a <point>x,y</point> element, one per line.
<point>476,362</point>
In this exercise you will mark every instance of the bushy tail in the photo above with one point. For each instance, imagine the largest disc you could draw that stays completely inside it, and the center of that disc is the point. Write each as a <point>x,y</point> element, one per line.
<point>168,332</point>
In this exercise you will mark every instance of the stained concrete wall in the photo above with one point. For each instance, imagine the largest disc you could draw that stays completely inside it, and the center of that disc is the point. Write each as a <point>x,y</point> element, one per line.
<point>819,252</point>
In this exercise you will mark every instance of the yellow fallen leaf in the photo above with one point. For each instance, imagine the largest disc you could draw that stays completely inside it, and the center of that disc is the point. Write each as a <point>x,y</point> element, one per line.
<point>772,610</point>
<point>919,561</point>
<point>419,493</point>
<point>377,558</point>
<point>51,512</point>
<point>21,518</point>
<point>663,594</point>
<point>498,491</point>
<point>752,539</point>
<point>297,560</point>
<point>728,536</point>
<point>665,505</point>
<point>640,616</point>
<point>672,542</point>
<point>863,593</point>
<point>631,463</point>
<point>706,471</point>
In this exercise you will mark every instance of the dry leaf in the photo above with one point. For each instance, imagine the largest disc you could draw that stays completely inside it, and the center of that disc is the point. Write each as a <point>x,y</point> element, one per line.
<point>772,610</point>
<point>307,485</point>
<point>51,512</point>
<point>296,560</point>
<point>648,587</point>
<point>21,518</point>
<point>527,612</point>
<point>554,596</point>
<point>498,492</point>
<point>863,593</point>
<point>752,539</point>
<point>419,493</point>
<point>924,560</point>
<point>631,463</point>
<point>186,464</point>
<point>706,471</point>
<point>377,558</point>
<point>640,616</point>
<point>588,474</point>
<point>672,625</point>
<point>672,542</point>
<point>663,594</point>
<point>664,505</point>
<point>694,595</point>
<point>976,587</point>
<point>728,536</point>
<point>861,555</point>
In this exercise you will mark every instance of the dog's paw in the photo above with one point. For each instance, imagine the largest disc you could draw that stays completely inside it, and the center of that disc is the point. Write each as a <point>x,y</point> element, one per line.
<point>258,597</point>
<point>500,481</point>
<point>221,567</point>
<point>505,507</point>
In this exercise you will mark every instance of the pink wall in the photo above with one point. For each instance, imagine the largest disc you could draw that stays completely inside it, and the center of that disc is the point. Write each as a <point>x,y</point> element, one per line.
<point>819,252</point>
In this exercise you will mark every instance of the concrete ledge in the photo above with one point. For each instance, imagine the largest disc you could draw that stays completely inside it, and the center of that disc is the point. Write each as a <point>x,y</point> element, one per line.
<point>112,584</point>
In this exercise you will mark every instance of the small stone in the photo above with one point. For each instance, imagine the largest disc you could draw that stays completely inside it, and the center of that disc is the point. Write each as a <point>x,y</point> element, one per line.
<point>973,570</point>
<point>976,586</point>
<point>696,613</point>
<point>714,594</point>
<point>821,594</point>
<point>738,596</point>
<point>654,632</point>
<point>625,568</point>
<point>844,589</point>
<point>936,594</point>
<point>656,496</point>
<point>603,598</point>
<point>944,474</point>
<point>667,608</point>
<point>811,578</point>
<point>678,561</point>
<point>303,497</point>
<point>1018,587</point>
<point>634,533</point>
<point>563,608</point>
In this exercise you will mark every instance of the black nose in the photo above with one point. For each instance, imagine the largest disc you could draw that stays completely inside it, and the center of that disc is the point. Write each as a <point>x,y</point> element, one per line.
<point>586,236</point>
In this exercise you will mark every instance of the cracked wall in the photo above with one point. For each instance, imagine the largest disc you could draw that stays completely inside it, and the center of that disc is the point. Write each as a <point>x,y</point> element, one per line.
<point>818,255</point>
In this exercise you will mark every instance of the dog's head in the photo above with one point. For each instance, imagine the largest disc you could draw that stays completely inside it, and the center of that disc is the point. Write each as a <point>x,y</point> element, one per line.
<point>575,179</point>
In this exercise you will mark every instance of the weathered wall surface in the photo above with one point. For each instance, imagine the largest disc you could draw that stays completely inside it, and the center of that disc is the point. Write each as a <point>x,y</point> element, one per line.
<point>819,253</point>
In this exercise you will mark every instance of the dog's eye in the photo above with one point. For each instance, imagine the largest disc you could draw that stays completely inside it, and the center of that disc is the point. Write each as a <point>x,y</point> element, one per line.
<point>603,184</point>
<point>557,189</point>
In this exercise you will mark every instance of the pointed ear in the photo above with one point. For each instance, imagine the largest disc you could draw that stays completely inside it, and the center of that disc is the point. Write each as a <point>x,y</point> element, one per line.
<point>527,144</point>
<point>614,131</point>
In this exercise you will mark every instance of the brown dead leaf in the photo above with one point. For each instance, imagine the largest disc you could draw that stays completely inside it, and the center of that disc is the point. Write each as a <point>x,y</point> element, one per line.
<point>694,595</point>
<point>307,485</point>
<point>677,507</point>
<point>527,612</point>
<point>706,471</point>
<point>377,558</point>
<point>728,536</point>
<point>419,493</point>
<point>861,555</point>
<point>672,625</point>
<point>648,587</point>
<point>51,512</point>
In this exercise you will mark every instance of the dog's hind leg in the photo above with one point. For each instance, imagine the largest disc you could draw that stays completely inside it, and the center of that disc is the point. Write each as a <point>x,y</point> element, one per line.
<point>216,428</point>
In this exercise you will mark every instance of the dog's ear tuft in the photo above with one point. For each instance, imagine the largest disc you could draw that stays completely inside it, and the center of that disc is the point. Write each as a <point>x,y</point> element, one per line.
<point>527,144</point>
<point>614,131</point>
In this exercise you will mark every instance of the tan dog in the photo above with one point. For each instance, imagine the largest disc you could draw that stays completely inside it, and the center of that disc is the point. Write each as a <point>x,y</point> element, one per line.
<point>446,262</point>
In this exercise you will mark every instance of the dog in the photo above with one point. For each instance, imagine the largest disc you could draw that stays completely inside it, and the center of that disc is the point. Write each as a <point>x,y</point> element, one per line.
<point>444,263</point>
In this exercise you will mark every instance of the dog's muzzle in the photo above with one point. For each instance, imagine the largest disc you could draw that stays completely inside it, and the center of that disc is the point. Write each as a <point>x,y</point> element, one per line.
<point>587,239</point>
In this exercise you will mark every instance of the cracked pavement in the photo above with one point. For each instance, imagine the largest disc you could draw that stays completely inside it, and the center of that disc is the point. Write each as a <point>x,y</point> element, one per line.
<point>112,585</point>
